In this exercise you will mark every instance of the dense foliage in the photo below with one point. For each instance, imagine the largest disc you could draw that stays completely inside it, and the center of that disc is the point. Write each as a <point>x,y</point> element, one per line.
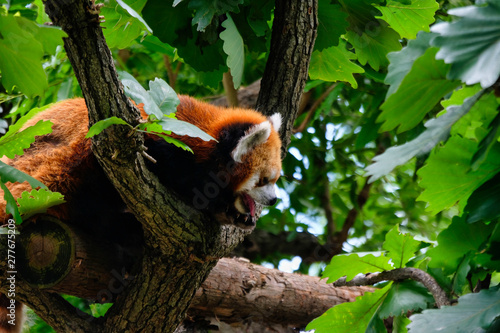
<point>396,152</point>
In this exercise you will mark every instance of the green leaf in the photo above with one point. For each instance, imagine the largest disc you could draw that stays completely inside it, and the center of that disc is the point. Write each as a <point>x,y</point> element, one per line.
<point>408,19</point>
<point>153,43</point>
<point>234,48</point>
<point>10,202</point>
<point>400,247</point>
<point>175,142</point>
<point>99,310</point>
<point>456,241</point>
<point>334,64</point>
<point>11,174</point>
<point>207,9</point>
<point>484,203</point>
<point>421,89</point>
<point>134,14</point>
<point>447,178</point>
<point>15,144</point>
<point>14,128</point>
<point>474,313</point>
<point>352,265</point>
<point>20,59</point>
<point>399,324</point>
<point>401,62</point>
<point>405,296</point>
<point>332,23</point>
<point>350,317</point>
<point>486,143</point>
<point>164,96</point>
<point>438,129</point>
<point>180,127</point>
<point>372,46</point>
<point>38,201</point>
<point>103,124</point>
<point>471,44</point>
<point>134,90</point>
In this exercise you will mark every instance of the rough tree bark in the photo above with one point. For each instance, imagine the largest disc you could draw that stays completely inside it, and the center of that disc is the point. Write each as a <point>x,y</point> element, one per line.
<point>181,245</point>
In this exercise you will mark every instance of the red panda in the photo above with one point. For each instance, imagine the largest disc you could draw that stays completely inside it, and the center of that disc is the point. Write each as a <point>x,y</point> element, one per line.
<point>226,177</point>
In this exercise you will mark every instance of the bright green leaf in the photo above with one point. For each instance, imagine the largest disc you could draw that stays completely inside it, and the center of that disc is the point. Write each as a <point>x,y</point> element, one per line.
<point>456,241</point>
<point>334,64</point>
<point>409,19</point>
<point>235,50</point>
<point>38,201</point>
<point>352,265</point>
<point>447,178</point>
<point>400,247</point>
<point>103,124</point>
<point>350,317</point>
<point>332,23</point>
<point>471,44</point>
<point>438,129</point>
<point>11,174</point>
<point>421,89</point>
<point>180,127</point>
<point>15,144</point>
<point>164,96</point>
<point>474,313</point>
<point>405,296</point>
<point>372,46</point>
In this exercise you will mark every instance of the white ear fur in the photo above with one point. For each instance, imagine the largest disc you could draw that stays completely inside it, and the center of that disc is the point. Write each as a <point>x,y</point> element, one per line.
<point>275,120</point>
<point>255,136</point>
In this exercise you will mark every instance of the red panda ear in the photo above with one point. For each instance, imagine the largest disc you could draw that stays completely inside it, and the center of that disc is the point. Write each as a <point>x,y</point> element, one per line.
<point>255,136</point>
<point>275,120</point>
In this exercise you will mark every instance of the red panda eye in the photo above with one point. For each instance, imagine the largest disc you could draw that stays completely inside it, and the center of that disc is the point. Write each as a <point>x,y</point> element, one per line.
<point>264,181</point>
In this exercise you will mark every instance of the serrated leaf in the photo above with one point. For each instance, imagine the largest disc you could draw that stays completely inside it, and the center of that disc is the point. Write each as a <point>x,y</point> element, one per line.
<point>473,313</point>
<point>15,144</point>
<point>484,203</point>
<point>235,50</point>
<point>400,247</point>
<point>164,96</point>
<point>14,128</point>
<point>207,9</point>
<point>402,61</point>
<point>350,317</point>
<point>180,127</point>
<point>372,46</point>
<point>10,203</point>
<point>405,296</point>
<point>332,23</point>
<point>438,129</point>
<point>103,124</point>
<point>447,178</point>
<point>352,265</point>
<point>408,19</point>
<point>334,64</point>
<point>20,59</point>
<point>11,174</point>
<point>456,241</point>
<point>421,89</point>
<point>471,44</point>
<point>134,90</point>
<point>38,201</point>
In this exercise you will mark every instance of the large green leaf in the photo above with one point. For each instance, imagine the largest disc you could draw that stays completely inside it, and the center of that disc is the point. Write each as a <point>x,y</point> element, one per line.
<point>408,19</point>
<point>164,96</point>
<point>134,90</point>
<point>421,89</point>
<point>11,174</point>
<point>484,203</point>
<point>372,46</point>
<point>20,58</point>
<point>334,64</point>
<point>473,313</point>
<point>350,317</point>
<point>456,241</point>
<point>38,201</point>
<point>405,296</point>
<point>235,50</point>
<point>471,44</point>
<point>400,247</point>
<point>180,127</point>
<point>332,24</point>
<point>438,129</point>
<point>15,144</point>
<point>353,264</point>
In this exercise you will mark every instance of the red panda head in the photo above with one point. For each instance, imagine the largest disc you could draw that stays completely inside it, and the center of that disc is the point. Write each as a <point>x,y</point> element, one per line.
<point>258,166</point>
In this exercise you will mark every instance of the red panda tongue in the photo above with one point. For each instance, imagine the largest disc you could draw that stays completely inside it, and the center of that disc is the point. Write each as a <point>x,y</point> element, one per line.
<point>250,203</point>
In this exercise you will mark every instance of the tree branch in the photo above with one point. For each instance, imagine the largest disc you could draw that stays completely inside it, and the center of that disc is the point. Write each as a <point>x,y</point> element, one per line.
<point>400,274</point>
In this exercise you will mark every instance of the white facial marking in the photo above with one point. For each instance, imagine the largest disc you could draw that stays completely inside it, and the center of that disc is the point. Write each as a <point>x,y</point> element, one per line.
<point>263,194</point>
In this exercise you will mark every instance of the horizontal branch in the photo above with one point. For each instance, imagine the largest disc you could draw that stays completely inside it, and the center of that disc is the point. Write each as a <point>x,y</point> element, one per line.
<point>400,274</point>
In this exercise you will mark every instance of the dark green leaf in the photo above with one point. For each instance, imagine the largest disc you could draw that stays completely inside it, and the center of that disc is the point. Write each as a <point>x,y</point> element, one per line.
<point>10,202</point>
<point>205,10</point>
<point>484,203</point>
<point>405,296</point>
<point>332,24</point>
<point>11,174</point>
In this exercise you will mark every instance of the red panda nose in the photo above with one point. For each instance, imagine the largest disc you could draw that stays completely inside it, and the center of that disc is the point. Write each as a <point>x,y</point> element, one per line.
<point>272,201</point>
